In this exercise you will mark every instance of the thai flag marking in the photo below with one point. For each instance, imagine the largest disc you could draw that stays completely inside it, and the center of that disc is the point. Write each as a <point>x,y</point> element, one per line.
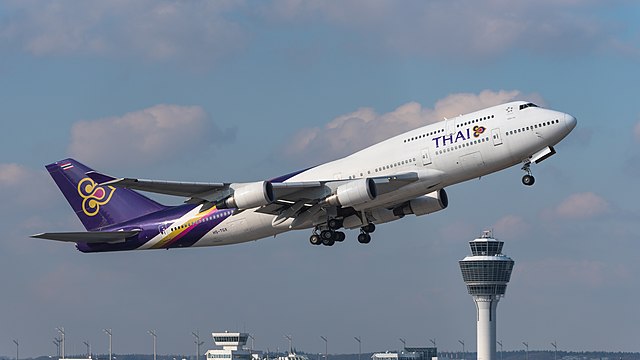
<point>66,166</point>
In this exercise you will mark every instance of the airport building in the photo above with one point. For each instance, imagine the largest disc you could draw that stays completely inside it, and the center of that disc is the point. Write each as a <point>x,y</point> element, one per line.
<point>231,346</point>
<point>409,353</point>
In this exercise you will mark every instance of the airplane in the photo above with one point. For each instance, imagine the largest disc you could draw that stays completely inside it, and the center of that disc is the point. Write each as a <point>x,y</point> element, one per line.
<point>406,174</point>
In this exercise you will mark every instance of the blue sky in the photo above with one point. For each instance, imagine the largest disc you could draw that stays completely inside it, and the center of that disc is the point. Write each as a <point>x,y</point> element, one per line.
<point>247,90</point>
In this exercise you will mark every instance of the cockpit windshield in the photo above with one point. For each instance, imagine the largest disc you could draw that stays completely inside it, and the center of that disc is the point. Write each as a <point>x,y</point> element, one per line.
<point>524,106</point>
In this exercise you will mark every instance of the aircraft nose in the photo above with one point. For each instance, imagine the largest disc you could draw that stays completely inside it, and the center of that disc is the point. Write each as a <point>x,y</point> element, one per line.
<point>570,122</point>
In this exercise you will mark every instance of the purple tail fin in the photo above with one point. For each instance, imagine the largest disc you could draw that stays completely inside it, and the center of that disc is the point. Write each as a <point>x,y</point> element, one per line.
<point>98,206</point>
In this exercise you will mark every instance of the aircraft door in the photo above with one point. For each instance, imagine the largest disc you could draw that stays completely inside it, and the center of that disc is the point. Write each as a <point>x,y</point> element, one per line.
<point>495,134</point>
<point>451,126</point>
<point>162,228</point>
<point>426,159</point>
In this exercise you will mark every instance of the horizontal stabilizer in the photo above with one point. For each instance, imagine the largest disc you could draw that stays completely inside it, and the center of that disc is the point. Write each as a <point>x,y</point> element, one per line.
<point>88,236</point>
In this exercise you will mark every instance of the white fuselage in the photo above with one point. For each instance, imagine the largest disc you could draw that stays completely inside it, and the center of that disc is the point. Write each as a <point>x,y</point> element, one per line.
<point>461,148</point>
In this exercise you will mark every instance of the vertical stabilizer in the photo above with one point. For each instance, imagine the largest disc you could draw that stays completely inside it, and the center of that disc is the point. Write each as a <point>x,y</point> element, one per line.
<point>98,206</point>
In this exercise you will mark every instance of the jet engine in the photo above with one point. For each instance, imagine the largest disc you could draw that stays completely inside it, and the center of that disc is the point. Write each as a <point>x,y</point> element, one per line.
<point>249,195</point>
<point>355,192</point>
<point>425,204</point>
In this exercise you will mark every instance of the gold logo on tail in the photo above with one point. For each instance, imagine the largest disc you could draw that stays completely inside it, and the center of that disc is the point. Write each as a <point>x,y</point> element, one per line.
<point>93,196</point>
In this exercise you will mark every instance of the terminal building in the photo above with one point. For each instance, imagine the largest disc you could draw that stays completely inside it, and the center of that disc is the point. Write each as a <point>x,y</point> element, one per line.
<point>232,347</point>
<point>409,353</point>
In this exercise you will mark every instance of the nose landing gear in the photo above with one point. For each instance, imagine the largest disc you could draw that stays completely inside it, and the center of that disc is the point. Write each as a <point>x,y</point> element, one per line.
<point>528,179</point>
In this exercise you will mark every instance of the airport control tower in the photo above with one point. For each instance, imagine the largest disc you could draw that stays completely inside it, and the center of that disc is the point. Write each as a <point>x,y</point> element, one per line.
<point>486,273</point>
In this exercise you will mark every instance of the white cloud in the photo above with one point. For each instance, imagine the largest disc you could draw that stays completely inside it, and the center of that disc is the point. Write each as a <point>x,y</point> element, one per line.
<point>23,188</point>
<point>191,30</point>
<point>582,206</point>
<point>12,174</point>
<point>354,131</point>
<point>158,133</point>
<point>464,28</point>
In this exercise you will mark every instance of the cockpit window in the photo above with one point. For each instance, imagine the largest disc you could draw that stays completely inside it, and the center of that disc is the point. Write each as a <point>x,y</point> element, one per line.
<point>524,106</point>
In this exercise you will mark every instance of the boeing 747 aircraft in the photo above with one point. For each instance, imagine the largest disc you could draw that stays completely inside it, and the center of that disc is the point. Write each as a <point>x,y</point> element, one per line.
<point>406,174</point>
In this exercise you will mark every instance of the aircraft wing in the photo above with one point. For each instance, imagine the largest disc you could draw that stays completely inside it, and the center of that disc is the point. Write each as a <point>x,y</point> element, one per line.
<point>304,196</point>
<point>289,199</point>
<point>196,191</point>
<point>88,236</point>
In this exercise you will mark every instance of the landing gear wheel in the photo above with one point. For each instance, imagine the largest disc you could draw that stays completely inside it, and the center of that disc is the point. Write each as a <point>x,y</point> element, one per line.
<point>364,238</point>
<point>339,236</point>
<point>328,242</point>
<point>315,239</point>
<point>327,237</point>
<point>369,228</point>
<point>528,180</point>
<point>334,224</point>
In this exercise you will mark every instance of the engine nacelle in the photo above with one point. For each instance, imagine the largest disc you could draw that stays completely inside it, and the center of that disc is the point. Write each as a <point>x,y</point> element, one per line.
<point>425,204</point>
<point>250,195</point>
<point>355,192</point>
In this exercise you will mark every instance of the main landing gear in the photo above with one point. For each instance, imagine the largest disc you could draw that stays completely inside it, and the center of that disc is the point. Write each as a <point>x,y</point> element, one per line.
<point>528,179</point>
<point>326,237</point>
<point>329,235</point>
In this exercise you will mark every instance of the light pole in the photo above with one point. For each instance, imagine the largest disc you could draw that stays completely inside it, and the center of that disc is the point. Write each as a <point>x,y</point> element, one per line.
<point>155,337</point>
<point>433,341</point>
<point>326,347</point>
<point>108,332</point>
<point>56,342</point>
<point>404,343</point>
<point>86,343</point>
<point>526,345</point>
<point>462,343</point>
<point>288,337</point>
<point>17,349</point>
<point>252,339</point>
<point>196,334</point>
<point>500,343</point>
<point>359,346</point>
<point>555,350</point>
<point>61,331</point>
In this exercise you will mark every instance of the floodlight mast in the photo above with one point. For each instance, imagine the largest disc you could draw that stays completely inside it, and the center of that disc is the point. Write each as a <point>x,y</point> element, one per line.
<point>433,341</point>
<point>359,346</point>
<point>288,337</point>
<point>61,331</point>
<point>108,332</point>
<point>404,343</point>
<point>17,349</point>
<point>155,338</point>
<point>196,334</point>
<point>252,340</point>
<point>56,342</point>
<point>326,347</point>
<point>88,345</point>
<point>486,273</point>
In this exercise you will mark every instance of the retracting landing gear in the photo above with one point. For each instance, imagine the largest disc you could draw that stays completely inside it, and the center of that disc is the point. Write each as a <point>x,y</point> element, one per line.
<point>528,179</point>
